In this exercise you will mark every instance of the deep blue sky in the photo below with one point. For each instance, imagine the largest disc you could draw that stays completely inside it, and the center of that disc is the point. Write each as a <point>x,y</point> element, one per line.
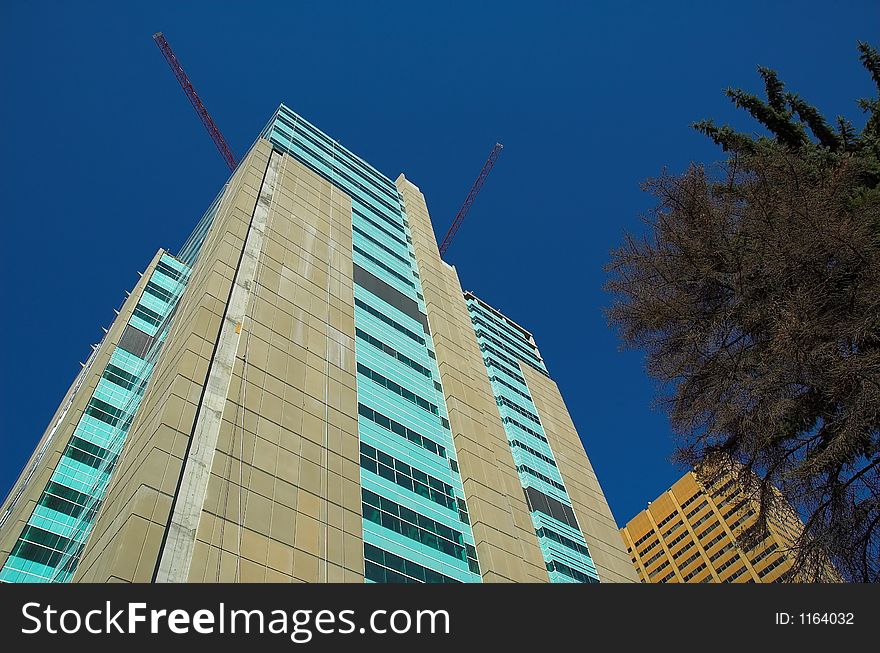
<point>104,161</point>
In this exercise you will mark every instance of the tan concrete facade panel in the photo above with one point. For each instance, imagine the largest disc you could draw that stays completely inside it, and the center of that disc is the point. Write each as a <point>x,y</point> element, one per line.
<point>506,544</point>
<point>588,500</point>
<point>283,498</point>
<point>283,501</point>
<point>178,546</point>
<point>128,532</point>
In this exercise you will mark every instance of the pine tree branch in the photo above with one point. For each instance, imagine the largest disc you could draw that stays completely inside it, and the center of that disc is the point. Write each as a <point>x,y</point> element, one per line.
<point>815,121</point>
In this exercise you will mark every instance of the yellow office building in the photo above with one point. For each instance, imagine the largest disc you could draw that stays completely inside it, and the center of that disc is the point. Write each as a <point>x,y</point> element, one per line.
<point>688,535</point>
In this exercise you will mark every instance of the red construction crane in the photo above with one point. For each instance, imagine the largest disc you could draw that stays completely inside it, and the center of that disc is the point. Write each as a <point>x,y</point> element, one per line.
<point>469,200</point>
<point>204,116</point>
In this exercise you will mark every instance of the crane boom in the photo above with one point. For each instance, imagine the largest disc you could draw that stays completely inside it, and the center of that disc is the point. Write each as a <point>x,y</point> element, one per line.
<point>187,86</point>
<point>469,200</point>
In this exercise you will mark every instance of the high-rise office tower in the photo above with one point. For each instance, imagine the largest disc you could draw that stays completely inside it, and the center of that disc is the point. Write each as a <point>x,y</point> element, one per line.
<point>689,535</point>
<point>304,393</point>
